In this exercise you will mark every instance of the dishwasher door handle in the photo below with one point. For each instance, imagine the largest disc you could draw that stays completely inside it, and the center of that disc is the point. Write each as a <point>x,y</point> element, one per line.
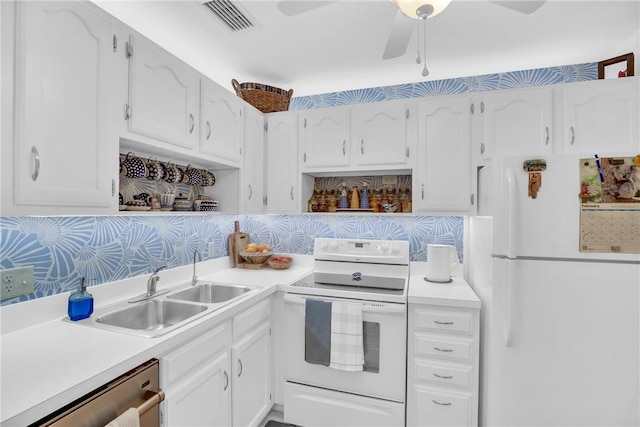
<point>153,397</point>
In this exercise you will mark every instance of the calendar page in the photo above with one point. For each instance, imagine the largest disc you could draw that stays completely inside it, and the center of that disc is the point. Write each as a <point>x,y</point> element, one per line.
<point>610,205</point>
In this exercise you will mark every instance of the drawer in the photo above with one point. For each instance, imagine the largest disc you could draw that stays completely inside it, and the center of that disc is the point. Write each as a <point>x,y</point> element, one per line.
<point>443,373</point>
<point>445,347</point>
<point>190,355</point>
<point>435,407</point>
<point>444,320</point>
<point>251,318</point>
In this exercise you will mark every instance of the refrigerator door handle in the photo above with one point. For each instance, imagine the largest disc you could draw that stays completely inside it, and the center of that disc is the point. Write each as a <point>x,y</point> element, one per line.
<point>508,336</point>
<point>511,213</point>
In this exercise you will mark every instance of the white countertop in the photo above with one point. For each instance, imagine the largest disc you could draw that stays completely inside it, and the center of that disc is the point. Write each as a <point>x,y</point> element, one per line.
<point>47,362</point>
<point>457,293</point>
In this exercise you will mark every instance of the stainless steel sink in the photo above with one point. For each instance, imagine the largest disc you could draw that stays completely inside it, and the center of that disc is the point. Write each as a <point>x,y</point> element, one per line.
<point>211,293</point>
<point>154,316</point>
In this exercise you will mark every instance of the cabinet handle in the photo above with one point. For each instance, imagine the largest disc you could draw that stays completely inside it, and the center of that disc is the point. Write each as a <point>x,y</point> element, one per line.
<point>304,158</point>
<point>481,107</point>
<point>239,368</point>
<point>444,350</point>
<point>36,163</point>
<point>546,132</point>
<point>193,123</point>
<point>437,322</point>
<point>362,146</point>
<point>226,381</point>
<point>250,191</point>
<point>573,135</point>
<point>113,187</point>
<point>407,152</point>
<point>444,377</point>
<point>422,189</point>
<point>208,130</point>
<point>482,148</point>
<point>441,403</point>
<point>473,199</point>
<point>291,192</point>
<point>472,108</point>
<point>344,145</point>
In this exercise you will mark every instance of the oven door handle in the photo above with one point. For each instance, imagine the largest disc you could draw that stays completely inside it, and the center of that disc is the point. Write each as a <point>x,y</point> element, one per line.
<point>367,306</point>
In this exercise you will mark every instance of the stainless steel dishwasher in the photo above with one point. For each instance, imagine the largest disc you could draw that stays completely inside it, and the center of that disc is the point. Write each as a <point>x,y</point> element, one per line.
<point>137,388</point>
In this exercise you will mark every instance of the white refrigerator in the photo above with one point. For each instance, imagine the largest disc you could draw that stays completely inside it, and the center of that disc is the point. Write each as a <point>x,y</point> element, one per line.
<point>560,336</point>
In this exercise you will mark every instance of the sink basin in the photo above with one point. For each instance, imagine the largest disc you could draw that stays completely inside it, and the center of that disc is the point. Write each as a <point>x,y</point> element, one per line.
<point>210,293</point>
<point>151,315</point>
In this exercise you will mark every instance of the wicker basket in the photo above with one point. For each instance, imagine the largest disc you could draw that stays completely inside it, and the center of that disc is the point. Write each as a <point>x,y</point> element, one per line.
<point>267,99</point>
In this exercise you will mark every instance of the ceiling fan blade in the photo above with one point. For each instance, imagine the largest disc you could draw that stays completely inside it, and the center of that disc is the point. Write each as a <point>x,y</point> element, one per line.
<point>296,7</point>
<point>524,6</point>
<point>399,36</point>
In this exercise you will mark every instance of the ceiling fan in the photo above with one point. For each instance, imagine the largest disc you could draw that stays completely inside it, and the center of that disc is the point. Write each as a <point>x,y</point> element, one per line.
<point>402,26</point>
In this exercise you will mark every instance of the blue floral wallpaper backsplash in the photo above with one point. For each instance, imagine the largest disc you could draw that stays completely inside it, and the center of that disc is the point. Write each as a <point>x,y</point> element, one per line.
<point>108,248</point>
<point>507,80</point>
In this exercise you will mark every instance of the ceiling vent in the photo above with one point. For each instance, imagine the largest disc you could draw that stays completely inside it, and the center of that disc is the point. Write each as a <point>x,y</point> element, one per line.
<point>230,14</point>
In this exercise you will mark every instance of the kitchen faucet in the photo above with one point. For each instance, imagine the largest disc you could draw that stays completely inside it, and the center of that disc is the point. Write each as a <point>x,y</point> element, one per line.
<point>194,279</point>
<point>153,280</point>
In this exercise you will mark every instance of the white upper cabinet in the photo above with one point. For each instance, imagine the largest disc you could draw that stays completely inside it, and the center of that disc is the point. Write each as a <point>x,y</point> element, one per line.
<point>221,122</point>
<point>164,96</point>
<point>65,154</point>
<point>253,176</point>
<point>601,116</point>
<point>444,166</point>
<point>282,159</point>
<point>518,122</point>
<point>324,137</point>
<point>381,134</point>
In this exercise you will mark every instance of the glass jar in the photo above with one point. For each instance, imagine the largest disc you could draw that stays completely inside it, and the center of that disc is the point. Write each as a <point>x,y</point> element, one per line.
<point>374,200</point>
<point>322,202</point>
<point>404,199</point>
<point>332,201</point>
<point>314,200</point>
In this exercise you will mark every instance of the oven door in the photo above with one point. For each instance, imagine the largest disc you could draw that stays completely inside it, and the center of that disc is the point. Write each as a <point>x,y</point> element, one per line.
<point>384,372</point>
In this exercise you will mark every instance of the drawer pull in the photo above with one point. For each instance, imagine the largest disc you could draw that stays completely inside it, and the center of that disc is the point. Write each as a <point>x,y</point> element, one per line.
<point>444,350</point>
<point>437,322</point>
<point>444,377</point>
<point>441,403</point>
<point>226,381</point>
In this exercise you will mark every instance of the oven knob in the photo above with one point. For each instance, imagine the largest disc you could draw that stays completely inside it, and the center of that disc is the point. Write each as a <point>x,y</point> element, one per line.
<point>334,245</point>
<point>395,249</point>
<point>323,245</point>
<point>384,247</point>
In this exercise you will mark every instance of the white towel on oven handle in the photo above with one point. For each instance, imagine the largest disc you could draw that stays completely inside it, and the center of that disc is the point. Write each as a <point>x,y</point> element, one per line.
<point>347,345</point>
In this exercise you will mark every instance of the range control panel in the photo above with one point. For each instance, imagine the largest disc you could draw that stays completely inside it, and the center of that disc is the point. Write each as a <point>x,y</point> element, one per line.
<point>362,250</point>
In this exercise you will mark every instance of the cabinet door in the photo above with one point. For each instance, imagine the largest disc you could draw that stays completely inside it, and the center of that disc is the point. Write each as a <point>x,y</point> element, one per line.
<point>65,154</point>
<point>164,95</point>
<point>601,116</point>
<point>382,135</point>
<point>325,137</point>
<point>518,122</point>
<point>282,161</point>
<point>252,386</point>
<point>222,122</point>
<point>204,398</point>
<point>252,191</point>
<point>444,143</point>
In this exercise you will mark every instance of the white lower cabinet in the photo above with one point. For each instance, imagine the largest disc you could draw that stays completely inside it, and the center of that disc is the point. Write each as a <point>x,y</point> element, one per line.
<point>442,366</point>
<point>195,378</point>
<point>223,377</point>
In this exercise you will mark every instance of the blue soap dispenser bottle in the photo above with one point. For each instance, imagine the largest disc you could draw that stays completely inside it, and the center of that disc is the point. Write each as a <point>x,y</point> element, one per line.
<point>80,303</point>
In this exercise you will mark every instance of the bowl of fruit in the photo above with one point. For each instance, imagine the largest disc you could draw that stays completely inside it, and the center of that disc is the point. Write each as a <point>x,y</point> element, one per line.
<point>256,253</point>
<point>280,262</point>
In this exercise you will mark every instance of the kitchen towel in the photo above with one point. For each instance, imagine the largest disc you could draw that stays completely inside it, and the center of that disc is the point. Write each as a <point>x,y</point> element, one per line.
<point>347,348</point>
<point>317,332</point>
<point>129,418</point>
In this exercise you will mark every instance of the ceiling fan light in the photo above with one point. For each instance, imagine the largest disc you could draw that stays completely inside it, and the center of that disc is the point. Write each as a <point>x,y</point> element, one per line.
<point>410,7</point>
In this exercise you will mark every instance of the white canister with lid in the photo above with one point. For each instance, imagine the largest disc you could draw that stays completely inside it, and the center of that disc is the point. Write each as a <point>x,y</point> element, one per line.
<point>441,261</point>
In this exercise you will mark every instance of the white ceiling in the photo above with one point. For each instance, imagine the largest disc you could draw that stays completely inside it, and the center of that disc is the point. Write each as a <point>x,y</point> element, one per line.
<point>339,46</point>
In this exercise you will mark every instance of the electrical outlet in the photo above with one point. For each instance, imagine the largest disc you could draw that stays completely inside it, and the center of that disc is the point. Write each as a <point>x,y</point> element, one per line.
<point>16,282</point>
